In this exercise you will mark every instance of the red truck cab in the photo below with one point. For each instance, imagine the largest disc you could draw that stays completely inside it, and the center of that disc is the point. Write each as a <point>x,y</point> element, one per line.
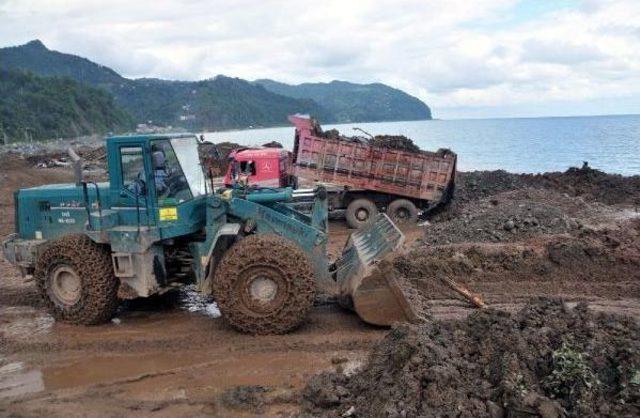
<point>262,167</point>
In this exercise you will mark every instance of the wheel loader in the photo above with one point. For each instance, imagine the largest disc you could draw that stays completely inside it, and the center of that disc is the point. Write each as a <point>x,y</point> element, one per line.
<point>158,224</point>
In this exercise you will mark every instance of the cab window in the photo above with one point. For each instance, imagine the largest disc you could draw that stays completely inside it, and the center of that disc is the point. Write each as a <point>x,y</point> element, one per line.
<point>170,182</point>
<point>132,166</point>
<point>248,168</point>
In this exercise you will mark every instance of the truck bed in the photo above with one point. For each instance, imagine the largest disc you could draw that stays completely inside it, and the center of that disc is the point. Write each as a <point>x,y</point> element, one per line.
<point>357,165</point>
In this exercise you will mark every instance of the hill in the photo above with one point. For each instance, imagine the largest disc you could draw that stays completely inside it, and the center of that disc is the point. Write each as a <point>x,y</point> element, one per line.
<point>218,103</point>
<point>221,102</point>
<point>52,107</point>
<point>36,58</point>
<point>213,104</point>
<point>350,102</point>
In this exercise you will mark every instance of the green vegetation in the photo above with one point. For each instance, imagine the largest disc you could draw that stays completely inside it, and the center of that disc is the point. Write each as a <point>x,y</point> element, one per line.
<point>351,102</point>
<point>213,104</point>
<point>217,103</point>
<point>571,378</point>
<point>34,107</point>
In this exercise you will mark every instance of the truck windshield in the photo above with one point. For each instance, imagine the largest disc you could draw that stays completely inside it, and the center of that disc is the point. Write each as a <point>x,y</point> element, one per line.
<point>177,172</point>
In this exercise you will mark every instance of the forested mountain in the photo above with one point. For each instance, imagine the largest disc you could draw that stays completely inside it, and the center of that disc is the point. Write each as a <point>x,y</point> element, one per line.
<point>221,102</point>
<point>350,102</point>
<point>213,104</point>
<point>36,58</point>
<point>34,107</point>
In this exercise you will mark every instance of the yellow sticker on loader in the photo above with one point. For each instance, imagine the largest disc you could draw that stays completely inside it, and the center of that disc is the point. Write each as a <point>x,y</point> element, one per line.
<point>169,214</point>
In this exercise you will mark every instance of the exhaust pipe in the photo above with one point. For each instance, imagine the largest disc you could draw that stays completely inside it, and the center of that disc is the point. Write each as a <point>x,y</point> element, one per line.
<point>77,166</point>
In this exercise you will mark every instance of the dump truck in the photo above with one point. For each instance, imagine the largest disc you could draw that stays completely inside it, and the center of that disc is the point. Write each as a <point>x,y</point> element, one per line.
<point>157,225</point>
<point>362,180</point>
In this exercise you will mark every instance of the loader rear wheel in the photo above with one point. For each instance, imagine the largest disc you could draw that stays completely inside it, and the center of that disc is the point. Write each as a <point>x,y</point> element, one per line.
<point>264,285</point>
<point>360,212</point>
<point>403,211</point>
<point>75,278</point>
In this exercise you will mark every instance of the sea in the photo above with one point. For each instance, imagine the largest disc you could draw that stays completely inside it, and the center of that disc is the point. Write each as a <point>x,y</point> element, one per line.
<point>519,145</point>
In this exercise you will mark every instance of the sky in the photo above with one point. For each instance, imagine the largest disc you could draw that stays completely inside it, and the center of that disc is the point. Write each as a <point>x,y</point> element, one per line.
<point>464,58</point>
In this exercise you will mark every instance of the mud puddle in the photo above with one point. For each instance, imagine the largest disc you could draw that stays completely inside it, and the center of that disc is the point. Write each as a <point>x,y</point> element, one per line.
<point>265,369</point>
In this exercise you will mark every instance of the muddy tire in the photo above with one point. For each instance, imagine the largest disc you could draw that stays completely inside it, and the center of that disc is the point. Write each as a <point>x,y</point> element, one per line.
<point>75,278</point>
<point>360,213</point>
<point>264,285</point>
<point>403,212</point>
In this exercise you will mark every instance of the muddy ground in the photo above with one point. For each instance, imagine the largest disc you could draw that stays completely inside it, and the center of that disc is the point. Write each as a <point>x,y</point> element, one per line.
<point>507,238</point>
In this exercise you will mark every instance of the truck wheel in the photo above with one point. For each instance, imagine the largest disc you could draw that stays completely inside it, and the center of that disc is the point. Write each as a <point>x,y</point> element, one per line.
<point>360,212</point>
<point>403,211</point>
<point>75,278</point>
<point>264,284</point>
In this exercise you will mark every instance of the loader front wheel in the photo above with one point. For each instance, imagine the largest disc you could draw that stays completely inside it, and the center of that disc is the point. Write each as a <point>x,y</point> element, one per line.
<point>75,278</point>
<point>264,285</point>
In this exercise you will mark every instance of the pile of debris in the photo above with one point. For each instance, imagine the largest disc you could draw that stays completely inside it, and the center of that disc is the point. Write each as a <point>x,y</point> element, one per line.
<point>215,156</point>
<point>546,360</point>
<point>513,216</point>
<point>608,258</point>
<point>94,158</point>
<point>593,184</point>
<point>399,142</point>
<point>589,183</point>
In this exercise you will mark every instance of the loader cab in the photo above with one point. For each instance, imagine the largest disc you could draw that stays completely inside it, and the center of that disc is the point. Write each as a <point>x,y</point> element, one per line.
<point>261,167</point>
<point>157,181</point>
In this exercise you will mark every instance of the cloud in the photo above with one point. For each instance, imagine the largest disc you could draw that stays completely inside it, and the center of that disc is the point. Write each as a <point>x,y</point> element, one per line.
<point>453,54</point>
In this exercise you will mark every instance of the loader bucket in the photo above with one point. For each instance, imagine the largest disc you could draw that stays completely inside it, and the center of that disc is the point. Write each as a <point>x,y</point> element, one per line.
<point>366,278</point>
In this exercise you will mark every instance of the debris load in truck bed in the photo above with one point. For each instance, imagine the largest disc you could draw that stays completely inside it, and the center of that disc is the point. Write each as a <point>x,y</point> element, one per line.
<point>545,360</point>
<point>399,142</point>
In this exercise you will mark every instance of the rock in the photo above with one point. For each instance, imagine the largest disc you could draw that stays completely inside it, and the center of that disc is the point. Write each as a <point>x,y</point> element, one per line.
<point>350,412</point>
<point>509,225</point>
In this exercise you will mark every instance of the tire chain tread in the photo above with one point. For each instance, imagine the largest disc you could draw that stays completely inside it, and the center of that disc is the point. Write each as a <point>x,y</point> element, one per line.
<point>98,301</point>
<point>270,250</point>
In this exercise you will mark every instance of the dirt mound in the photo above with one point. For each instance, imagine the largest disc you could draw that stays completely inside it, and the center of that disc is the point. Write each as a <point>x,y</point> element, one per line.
<point>593,184</point>
<point>608,257</point>
<point>512,216</point>
<point>546,360</point>
<point>587,182</point>
<point>475,185</point>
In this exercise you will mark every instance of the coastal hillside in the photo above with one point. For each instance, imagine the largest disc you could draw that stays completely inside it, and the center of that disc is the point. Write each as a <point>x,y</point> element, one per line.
<point>350,102</point>
<point>221,102</point>
<point>34,107</point>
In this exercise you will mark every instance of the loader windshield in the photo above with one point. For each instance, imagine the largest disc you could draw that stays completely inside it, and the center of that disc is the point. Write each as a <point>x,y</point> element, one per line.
<point>186,150</point>
<point>177,171</point>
